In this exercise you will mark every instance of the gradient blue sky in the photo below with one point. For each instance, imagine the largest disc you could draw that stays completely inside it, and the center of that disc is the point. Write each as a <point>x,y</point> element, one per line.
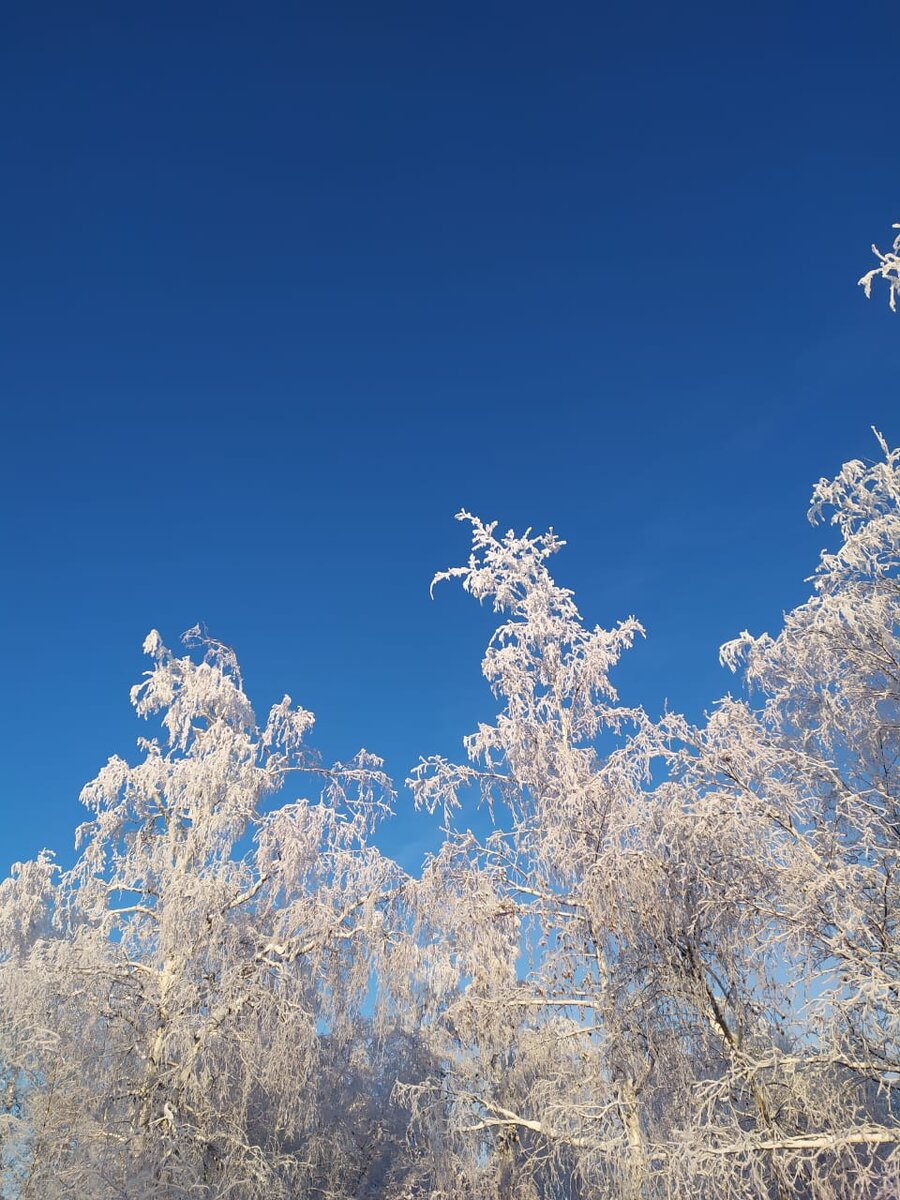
<point>283,286</point>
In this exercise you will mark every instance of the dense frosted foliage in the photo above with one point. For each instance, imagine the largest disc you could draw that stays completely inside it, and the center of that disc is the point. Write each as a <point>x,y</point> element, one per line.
<point>693,986</point>
<point>671,971</point>
<point>185,1009</point>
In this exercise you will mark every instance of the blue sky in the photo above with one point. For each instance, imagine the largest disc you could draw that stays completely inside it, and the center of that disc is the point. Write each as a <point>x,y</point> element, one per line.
<point>285,285</point>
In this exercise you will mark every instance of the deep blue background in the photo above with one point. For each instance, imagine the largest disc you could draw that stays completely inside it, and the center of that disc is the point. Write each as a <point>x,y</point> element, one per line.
<point>285,285</point>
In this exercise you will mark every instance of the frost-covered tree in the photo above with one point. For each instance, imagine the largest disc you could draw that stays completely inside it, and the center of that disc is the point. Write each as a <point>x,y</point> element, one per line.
<point>184,1012</point>
<point>530,1059</point>
<point>672,969</point>
<point>586,1013</point>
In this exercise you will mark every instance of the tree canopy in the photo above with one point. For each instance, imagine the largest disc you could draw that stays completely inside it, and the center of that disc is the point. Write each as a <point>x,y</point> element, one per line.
<point>671,969</point>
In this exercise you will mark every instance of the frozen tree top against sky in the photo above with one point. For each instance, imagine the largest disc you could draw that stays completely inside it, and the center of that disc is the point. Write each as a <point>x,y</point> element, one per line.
<point>668,969</point>
<point>286,289</point>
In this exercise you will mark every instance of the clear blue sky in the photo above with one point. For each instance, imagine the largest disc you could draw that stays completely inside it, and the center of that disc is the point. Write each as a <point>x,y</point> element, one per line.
<point>283,286</point>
